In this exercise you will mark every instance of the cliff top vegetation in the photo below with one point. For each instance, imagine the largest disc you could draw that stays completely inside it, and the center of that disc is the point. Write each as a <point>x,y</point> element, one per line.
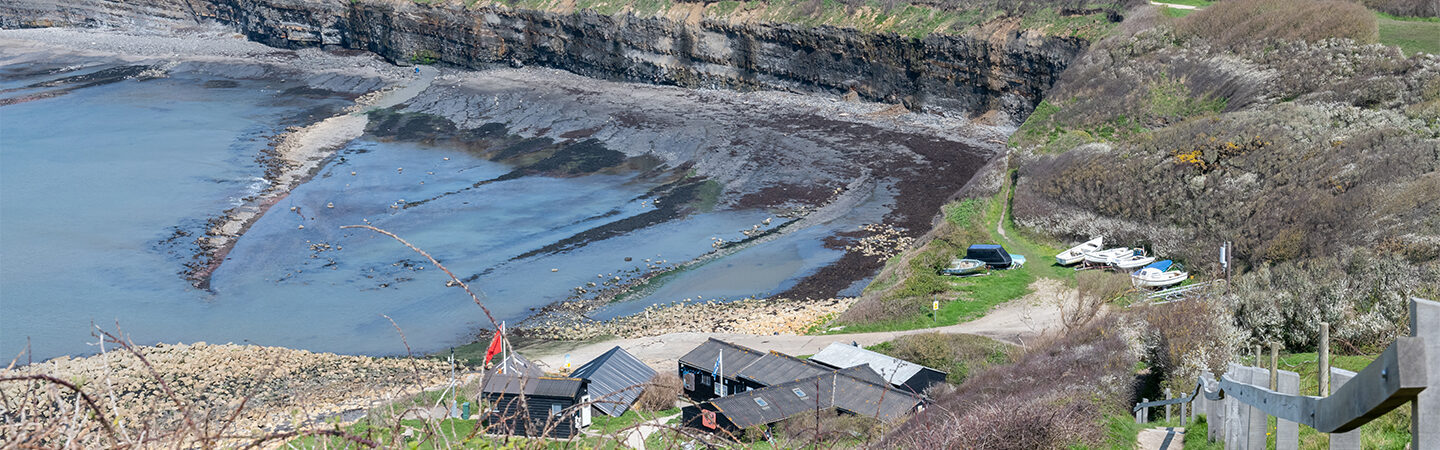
<point>915,19</point>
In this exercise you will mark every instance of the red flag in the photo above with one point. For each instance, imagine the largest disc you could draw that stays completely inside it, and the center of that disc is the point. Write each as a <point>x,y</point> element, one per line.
<point>494,346</point>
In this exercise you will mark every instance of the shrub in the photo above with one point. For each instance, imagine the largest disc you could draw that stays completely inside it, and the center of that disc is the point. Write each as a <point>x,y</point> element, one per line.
<point>1053,396</point>
<point>1409,8</point>
<point>1361,295</point>
<point>1235,24</point>
<point>1187,337</point>
<point>1095,289</point>
<point>660,394</point>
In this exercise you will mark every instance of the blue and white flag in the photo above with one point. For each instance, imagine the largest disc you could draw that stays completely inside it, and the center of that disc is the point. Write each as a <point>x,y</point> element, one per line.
<point>718,364</point>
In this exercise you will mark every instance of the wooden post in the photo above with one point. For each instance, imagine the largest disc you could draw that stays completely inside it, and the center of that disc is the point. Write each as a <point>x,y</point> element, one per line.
<point>1144,412</point>
<point>1274,365</point>
<point>1182,412</point>
<point>1167,407</point>
<point>1259,426</point>
<point>1215,416</point>
<point>1425,410</point>
<point>1348,440</point>
<point>1287,433</point>
<point>1324,373</point>
<point>1236,414</point>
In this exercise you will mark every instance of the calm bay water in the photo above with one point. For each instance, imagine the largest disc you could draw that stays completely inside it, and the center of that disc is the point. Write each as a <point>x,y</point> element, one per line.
<point>94,182</point>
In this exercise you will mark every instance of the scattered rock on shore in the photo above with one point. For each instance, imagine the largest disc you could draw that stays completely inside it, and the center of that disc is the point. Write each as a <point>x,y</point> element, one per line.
<point>752,316</point>
<point>279,386</point>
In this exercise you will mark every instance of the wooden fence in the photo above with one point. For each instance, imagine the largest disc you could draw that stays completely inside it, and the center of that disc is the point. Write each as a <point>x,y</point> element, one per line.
<point>1237,405</point>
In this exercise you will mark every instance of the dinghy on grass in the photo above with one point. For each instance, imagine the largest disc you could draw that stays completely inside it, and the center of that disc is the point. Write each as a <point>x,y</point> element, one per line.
<point>1103,257</point>
<point>1077,253</point>
<point>964,267</point>
<point>1161,274</point>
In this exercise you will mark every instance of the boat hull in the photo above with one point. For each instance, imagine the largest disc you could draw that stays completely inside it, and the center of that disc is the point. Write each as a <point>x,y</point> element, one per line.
<point>1159,280</point>
<point>1132,263</point>
<point>1104,256</point>
<point>965,267</point>
<point>1077,253</point>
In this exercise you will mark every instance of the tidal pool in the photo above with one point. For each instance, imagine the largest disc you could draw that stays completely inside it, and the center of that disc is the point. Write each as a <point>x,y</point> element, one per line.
<point>102,190</point>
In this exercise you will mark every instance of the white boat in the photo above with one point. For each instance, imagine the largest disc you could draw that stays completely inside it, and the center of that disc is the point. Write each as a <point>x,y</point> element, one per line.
<point>1077,253</point>
<point>1131,261</point>
<point>1161,274</point>
<point>1103,257</point>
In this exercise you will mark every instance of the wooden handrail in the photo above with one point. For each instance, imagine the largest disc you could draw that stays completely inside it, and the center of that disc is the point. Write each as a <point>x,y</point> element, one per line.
<point>1400,375</point>
<point>1396,377</point>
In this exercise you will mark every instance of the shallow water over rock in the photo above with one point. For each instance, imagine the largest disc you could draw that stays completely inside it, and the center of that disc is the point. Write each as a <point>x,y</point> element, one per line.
<point>534,187</point>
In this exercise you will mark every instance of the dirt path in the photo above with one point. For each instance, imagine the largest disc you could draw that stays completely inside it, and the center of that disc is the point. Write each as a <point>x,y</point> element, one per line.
<point>1176,6</point>
<point>1018,322</point>
<point>1161,439</point>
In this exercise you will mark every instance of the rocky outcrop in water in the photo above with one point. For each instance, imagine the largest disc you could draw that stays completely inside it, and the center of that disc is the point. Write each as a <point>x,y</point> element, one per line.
<point>1006,71</point>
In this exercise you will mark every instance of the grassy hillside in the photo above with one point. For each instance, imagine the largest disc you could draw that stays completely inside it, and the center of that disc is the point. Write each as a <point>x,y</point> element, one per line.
<point>1286,132</point>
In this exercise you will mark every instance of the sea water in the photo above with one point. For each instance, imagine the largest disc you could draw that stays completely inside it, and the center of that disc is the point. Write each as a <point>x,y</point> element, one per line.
<point>95,184</point>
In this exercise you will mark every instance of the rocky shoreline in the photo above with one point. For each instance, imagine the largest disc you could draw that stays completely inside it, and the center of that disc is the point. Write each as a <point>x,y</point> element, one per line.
<point>748,316</point>
<point>259,390</point>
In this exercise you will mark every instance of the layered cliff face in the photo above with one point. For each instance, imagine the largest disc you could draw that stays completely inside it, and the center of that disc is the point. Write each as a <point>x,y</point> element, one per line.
<point>1005,72</point>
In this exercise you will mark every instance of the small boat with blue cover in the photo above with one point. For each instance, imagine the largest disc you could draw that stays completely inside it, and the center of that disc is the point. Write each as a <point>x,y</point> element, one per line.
<point>1160,274</point>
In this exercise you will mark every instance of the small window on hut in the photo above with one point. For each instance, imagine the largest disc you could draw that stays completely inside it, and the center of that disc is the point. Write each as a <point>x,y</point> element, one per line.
<point>555,409</point>
<point>689,381</point>
<point>762,402</point>
<point>798,392</point>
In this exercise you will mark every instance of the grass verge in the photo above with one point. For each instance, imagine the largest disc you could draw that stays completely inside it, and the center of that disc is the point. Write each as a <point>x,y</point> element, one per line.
<point>1412,35</point>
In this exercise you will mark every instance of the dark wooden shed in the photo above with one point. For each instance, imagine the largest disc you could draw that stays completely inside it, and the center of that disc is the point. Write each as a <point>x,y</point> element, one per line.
<point>697,369</point>
<point>856,390</point>
<point>535,405</point>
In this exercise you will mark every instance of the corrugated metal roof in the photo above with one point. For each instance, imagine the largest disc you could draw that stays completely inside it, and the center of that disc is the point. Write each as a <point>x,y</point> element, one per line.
<point>736,357</point>
<point>894,370</point>
<point>537,386</point>
<point>775,368</point>
<point>616,379</point>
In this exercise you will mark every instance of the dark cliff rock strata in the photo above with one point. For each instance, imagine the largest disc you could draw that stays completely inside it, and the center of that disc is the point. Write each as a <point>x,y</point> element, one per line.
<point>1007,72</point>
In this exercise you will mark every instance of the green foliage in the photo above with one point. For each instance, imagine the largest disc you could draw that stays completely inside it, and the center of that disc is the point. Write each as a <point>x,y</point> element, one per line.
<point>1412,35</point>
<point>604,424</point>
<point>424,56</point>
<point>1196,3</point>
<point>973,297</point>
<point>1087,26</point>
<point>1175,13</point>
<point>1168,98</point>
<point>1196,436</point>
<point>1121,431</point>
